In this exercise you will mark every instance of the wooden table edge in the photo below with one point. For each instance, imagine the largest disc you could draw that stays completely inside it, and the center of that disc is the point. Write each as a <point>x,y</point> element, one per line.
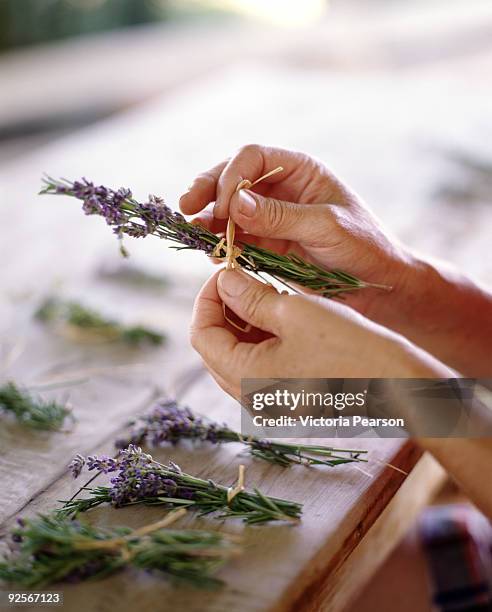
<point>344,575</point>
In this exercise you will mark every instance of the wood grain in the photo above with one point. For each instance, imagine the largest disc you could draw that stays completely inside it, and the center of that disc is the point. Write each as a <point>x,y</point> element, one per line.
<point>284,563</point>
<point>48,246</point>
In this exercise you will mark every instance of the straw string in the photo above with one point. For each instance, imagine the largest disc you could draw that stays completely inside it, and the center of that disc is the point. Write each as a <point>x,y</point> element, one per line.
<point>227,250</point>
<point>233,491</point>
<point>123,542</point>
<point>226,245</point>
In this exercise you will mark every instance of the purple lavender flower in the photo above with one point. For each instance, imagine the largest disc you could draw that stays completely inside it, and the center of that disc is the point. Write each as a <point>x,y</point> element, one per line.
<point>185,493</point>
<point>104,464</point>
<point>169,423</point>
<point>139,477</point>
<point>99,200</point>
<point>135,231</point>
<point>76,465</point>
<point>128,216</point>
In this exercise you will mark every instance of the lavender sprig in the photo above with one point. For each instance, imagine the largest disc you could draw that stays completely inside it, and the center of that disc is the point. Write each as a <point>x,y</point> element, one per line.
<point>127,216</point>
<point>127,274</point>
<point>33,412</point>
<point>140,479</point>
<point>89,321</point>
<point>169,423</point>
<point>49,550</point>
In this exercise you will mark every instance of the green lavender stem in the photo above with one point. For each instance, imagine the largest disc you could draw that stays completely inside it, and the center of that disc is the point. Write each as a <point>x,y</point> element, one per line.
<point>88,320</point>
<point>50,550</point>
<point>30,411</point>
<point>168,423</point>
<point>128,216</point>
<point>142,480</point>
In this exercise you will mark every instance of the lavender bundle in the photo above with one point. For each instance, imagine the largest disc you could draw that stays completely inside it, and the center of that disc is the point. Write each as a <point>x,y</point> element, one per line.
<point>89,323</point>
<point>141,479</point>
<point>49,550</point>
<point>169,423</point>
<point>126,215</point>
<point>33,412</point>
<point>125,273</point>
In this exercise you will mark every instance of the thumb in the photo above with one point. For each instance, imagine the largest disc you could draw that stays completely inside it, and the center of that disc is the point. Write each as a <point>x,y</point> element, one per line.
<point>269,217</point>
<point>253,301</point>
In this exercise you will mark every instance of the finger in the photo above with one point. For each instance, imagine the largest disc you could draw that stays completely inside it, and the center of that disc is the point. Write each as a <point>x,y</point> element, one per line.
<point>218,226</point>
<point>269,217</point>
<point>254,302</point>
<point>202,191</point>
<point>207,220</point>
<point>251,162</point>
<point>207,310</point>
<point>218,346</point>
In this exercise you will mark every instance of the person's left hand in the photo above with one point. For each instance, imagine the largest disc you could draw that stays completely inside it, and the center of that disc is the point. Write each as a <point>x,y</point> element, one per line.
<point>295,337</point>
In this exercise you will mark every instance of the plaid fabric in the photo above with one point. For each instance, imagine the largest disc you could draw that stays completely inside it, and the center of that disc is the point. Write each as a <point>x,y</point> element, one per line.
<point>457,541</point>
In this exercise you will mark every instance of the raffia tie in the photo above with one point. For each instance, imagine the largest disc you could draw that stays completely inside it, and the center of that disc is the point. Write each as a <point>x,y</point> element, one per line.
<point>122,543</point>
<point>233,491</point>
<point>232,252</point>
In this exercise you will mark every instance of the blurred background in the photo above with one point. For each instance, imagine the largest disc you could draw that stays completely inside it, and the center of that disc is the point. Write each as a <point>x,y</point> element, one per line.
<point>394,95</point>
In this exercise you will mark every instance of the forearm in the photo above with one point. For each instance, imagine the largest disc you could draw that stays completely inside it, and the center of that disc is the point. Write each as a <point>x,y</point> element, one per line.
<point>468,461</point>
<point>445,313</point>
<point>467,457</point>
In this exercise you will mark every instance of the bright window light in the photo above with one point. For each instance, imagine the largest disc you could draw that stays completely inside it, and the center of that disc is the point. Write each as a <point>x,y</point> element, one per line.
<point>290,13</point>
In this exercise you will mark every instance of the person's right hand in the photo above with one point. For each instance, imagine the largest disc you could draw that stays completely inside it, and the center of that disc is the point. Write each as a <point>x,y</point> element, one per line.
<point>305,210</point>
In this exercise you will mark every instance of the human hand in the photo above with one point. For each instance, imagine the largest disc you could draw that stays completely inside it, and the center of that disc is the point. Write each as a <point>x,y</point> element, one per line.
<point>295,337</point>
<point>305,210</point>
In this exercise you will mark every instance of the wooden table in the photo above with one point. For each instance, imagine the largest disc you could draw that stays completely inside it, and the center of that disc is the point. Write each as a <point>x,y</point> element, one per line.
<point>351,520</point>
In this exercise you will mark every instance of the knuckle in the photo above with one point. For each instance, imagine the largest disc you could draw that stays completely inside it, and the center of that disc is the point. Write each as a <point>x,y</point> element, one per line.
<point>194,338</point>
<point>325,224</point>
<point>205,177</point>
<point>323,215</point>
<point>249,149</point>
<point>275,213</point>
<point>337,217</point>
<point>255,302</point>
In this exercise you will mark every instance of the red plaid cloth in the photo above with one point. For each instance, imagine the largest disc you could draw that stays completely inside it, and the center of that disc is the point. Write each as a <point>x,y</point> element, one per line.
<point>457,542</point>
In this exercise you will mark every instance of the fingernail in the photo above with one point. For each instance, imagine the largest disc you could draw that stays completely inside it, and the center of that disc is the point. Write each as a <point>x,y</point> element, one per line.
<point>233,283</point>
<point>247,205</point>
<point>217,212</point>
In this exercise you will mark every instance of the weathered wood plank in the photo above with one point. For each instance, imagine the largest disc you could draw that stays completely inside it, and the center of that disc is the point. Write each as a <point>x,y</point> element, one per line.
<point>282,562</point>
<point>111,383</point>
<point>336,587</point>
<point>47,243</point>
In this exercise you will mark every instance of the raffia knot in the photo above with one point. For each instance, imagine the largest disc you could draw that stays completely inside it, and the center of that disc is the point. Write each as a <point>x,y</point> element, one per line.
<point>232,251</point>
<point>233,491</point>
